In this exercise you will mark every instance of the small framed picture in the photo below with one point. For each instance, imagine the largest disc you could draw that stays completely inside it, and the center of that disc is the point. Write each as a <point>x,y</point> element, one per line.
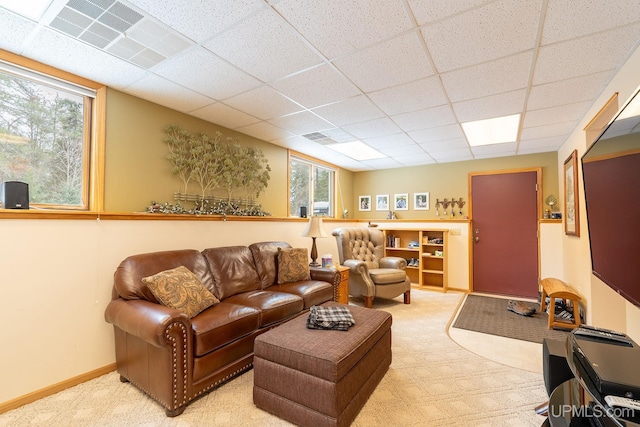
<point>401,202</point>
<point>382,202</point>
<point>571,211</point>
<point>421,201</point>
<point>364,203</point>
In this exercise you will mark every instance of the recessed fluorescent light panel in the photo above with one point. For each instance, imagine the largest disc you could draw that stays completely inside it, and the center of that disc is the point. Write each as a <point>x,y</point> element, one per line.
<point>357,150</point>
<point>492,131</point>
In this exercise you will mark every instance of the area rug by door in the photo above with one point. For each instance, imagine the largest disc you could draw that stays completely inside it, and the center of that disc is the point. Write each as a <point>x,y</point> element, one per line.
<point>489,315</point>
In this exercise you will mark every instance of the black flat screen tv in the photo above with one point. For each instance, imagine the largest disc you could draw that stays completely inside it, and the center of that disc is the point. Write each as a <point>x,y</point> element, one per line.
<point>611,176</point>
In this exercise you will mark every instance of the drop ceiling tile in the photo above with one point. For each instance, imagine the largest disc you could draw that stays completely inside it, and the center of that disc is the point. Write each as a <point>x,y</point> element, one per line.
<point>332,30</point>
<point>456,155</point>
<point>264,102</point>
<point>425,119</point>
<point>384,163</point>
<point>559,114</point>
<point>14,31</point>
<point>263,45</point>
<point>426,12</point>
<point>485,151</point>
<point>487,33</point>
<point>413,96</point>
<point>339,135</point>
<point>584,88</point>
<point>164,92</point>
<point>402,150</point>
<point>494,155</point>
<point>224,115</point>
<point>501,75</point>
<point>60,51</point>
<point>389,141</point>
<point>349,111</point>
<point>587,55</point>
<point>317,86</point>
<point>444,145</point>
<point>541,145</point>
<point>264,131</point>
<point>200,70</point>
<point>301,123</point>
<point>502,104</point>
<point>415,160</point>
<point>199,20</point>
<point>546,131</point>
<point>437,134</point>
<point>373,128</point>
<point>391,63</point>
<point>32,9</point>
<point>568,19</point>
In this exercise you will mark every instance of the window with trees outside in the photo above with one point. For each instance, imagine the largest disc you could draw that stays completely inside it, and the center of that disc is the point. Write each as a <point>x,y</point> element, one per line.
<point>311,185</point>
<point>46,137</point>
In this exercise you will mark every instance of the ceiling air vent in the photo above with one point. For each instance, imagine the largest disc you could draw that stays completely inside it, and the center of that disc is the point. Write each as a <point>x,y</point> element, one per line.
<point>116,28</point>
<point>319,138</point>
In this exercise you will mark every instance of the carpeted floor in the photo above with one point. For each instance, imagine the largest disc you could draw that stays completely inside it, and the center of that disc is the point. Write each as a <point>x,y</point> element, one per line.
<point>489,315</point>
<point>432,381</point>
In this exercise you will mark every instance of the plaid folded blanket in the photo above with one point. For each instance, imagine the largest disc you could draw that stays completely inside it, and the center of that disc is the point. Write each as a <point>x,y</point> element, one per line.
<point>338,318</point>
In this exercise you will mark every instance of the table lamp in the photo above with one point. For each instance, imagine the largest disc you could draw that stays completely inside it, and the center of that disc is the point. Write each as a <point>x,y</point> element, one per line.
<point>314,229</point>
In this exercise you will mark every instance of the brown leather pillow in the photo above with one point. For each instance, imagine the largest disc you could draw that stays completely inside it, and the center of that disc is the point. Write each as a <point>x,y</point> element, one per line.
<point>179,288</point>
<point>293,265</point>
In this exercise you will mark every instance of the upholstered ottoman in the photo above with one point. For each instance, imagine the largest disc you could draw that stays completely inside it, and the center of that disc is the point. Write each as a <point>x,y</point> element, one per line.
<point>314,377</point>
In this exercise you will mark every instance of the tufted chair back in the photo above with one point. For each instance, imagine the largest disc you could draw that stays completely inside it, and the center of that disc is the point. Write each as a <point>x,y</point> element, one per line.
<point>363,244</point>
<point>371,274</point>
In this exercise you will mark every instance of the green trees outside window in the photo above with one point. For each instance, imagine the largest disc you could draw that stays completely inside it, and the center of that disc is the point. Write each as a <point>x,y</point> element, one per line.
<point>43,141</point>
<point>311,185</point>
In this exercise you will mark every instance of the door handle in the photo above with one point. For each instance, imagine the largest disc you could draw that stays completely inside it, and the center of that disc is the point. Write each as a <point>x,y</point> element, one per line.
<point>477,239</point>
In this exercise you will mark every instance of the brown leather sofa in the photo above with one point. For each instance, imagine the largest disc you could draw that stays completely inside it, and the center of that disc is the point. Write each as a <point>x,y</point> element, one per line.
<point>175,359</point>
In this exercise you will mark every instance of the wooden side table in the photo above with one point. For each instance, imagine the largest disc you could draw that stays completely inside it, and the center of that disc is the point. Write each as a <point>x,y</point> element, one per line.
<point>343,287</point>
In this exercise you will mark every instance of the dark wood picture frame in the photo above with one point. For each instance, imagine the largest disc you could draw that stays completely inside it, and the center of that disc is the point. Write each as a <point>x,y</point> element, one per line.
<point>571,207</point>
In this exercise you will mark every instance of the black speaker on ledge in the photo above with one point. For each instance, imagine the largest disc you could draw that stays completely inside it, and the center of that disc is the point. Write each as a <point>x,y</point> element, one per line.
<point>556,370</point>
<point>303,211</point>
<point>14,195</point>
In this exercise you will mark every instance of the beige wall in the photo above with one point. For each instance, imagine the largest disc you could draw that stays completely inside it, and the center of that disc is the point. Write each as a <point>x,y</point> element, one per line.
<point>444,181</point>
<point>137,170</point>
<point>605,308</point>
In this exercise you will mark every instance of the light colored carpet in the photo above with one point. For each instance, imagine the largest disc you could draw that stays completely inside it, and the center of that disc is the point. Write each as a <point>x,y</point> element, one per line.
<point>432,381</point>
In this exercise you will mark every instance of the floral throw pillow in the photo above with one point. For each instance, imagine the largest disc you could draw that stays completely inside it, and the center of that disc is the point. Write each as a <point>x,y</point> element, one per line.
<point>179,288</point>
<point>293,265</point>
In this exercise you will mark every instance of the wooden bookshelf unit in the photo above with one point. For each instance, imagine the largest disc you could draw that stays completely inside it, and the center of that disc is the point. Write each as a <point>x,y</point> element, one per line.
<point>425,252</point>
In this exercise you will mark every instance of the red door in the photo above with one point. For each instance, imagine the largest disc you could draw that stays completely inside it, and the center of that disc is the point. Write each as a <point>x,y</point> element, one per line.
<point>505,233</point>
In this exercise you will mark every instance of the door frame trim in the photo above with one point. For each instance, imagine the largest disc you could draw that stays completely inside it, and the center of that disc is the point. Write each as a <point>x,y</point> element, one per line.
<point>538,171</point>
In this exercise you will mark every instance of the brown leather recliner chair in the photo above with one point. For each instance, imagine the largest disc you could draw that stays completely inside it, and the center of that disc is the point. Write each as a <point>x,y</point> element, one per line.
<point>371,274</point>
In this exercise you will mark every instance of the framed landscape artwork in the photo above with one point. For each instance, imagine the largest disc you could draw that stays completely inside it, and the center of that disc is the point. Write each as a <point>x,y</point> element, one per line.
<point>571,212</point>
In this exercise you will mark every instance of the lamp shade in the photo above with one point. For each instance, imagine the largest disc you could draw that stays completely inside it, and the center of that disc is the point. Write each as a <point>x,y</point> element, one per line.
<point>315,228</point>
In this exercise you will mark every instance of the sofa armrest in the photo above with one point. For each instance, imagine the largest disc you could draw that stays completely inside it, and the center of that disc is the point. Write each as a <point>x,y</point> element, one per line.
<point>330,275</point>
<point>393,262</point>
<point>146,320</point>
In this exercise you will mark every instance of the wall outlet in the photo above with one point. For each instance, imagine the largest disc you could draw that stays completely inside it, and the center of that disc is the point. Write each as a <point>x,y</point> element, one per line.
<point>455,232</point>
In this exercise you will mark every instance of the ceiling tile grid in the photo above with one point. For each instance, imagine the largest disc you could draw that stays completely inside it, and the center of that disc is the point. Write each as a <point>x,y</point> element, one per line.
<point>399,75</point>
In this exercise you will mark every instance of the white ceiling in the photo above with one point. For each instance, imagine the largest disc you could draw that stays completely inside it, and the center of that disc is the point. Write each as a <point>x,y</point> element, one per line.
<point>398,75</point>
